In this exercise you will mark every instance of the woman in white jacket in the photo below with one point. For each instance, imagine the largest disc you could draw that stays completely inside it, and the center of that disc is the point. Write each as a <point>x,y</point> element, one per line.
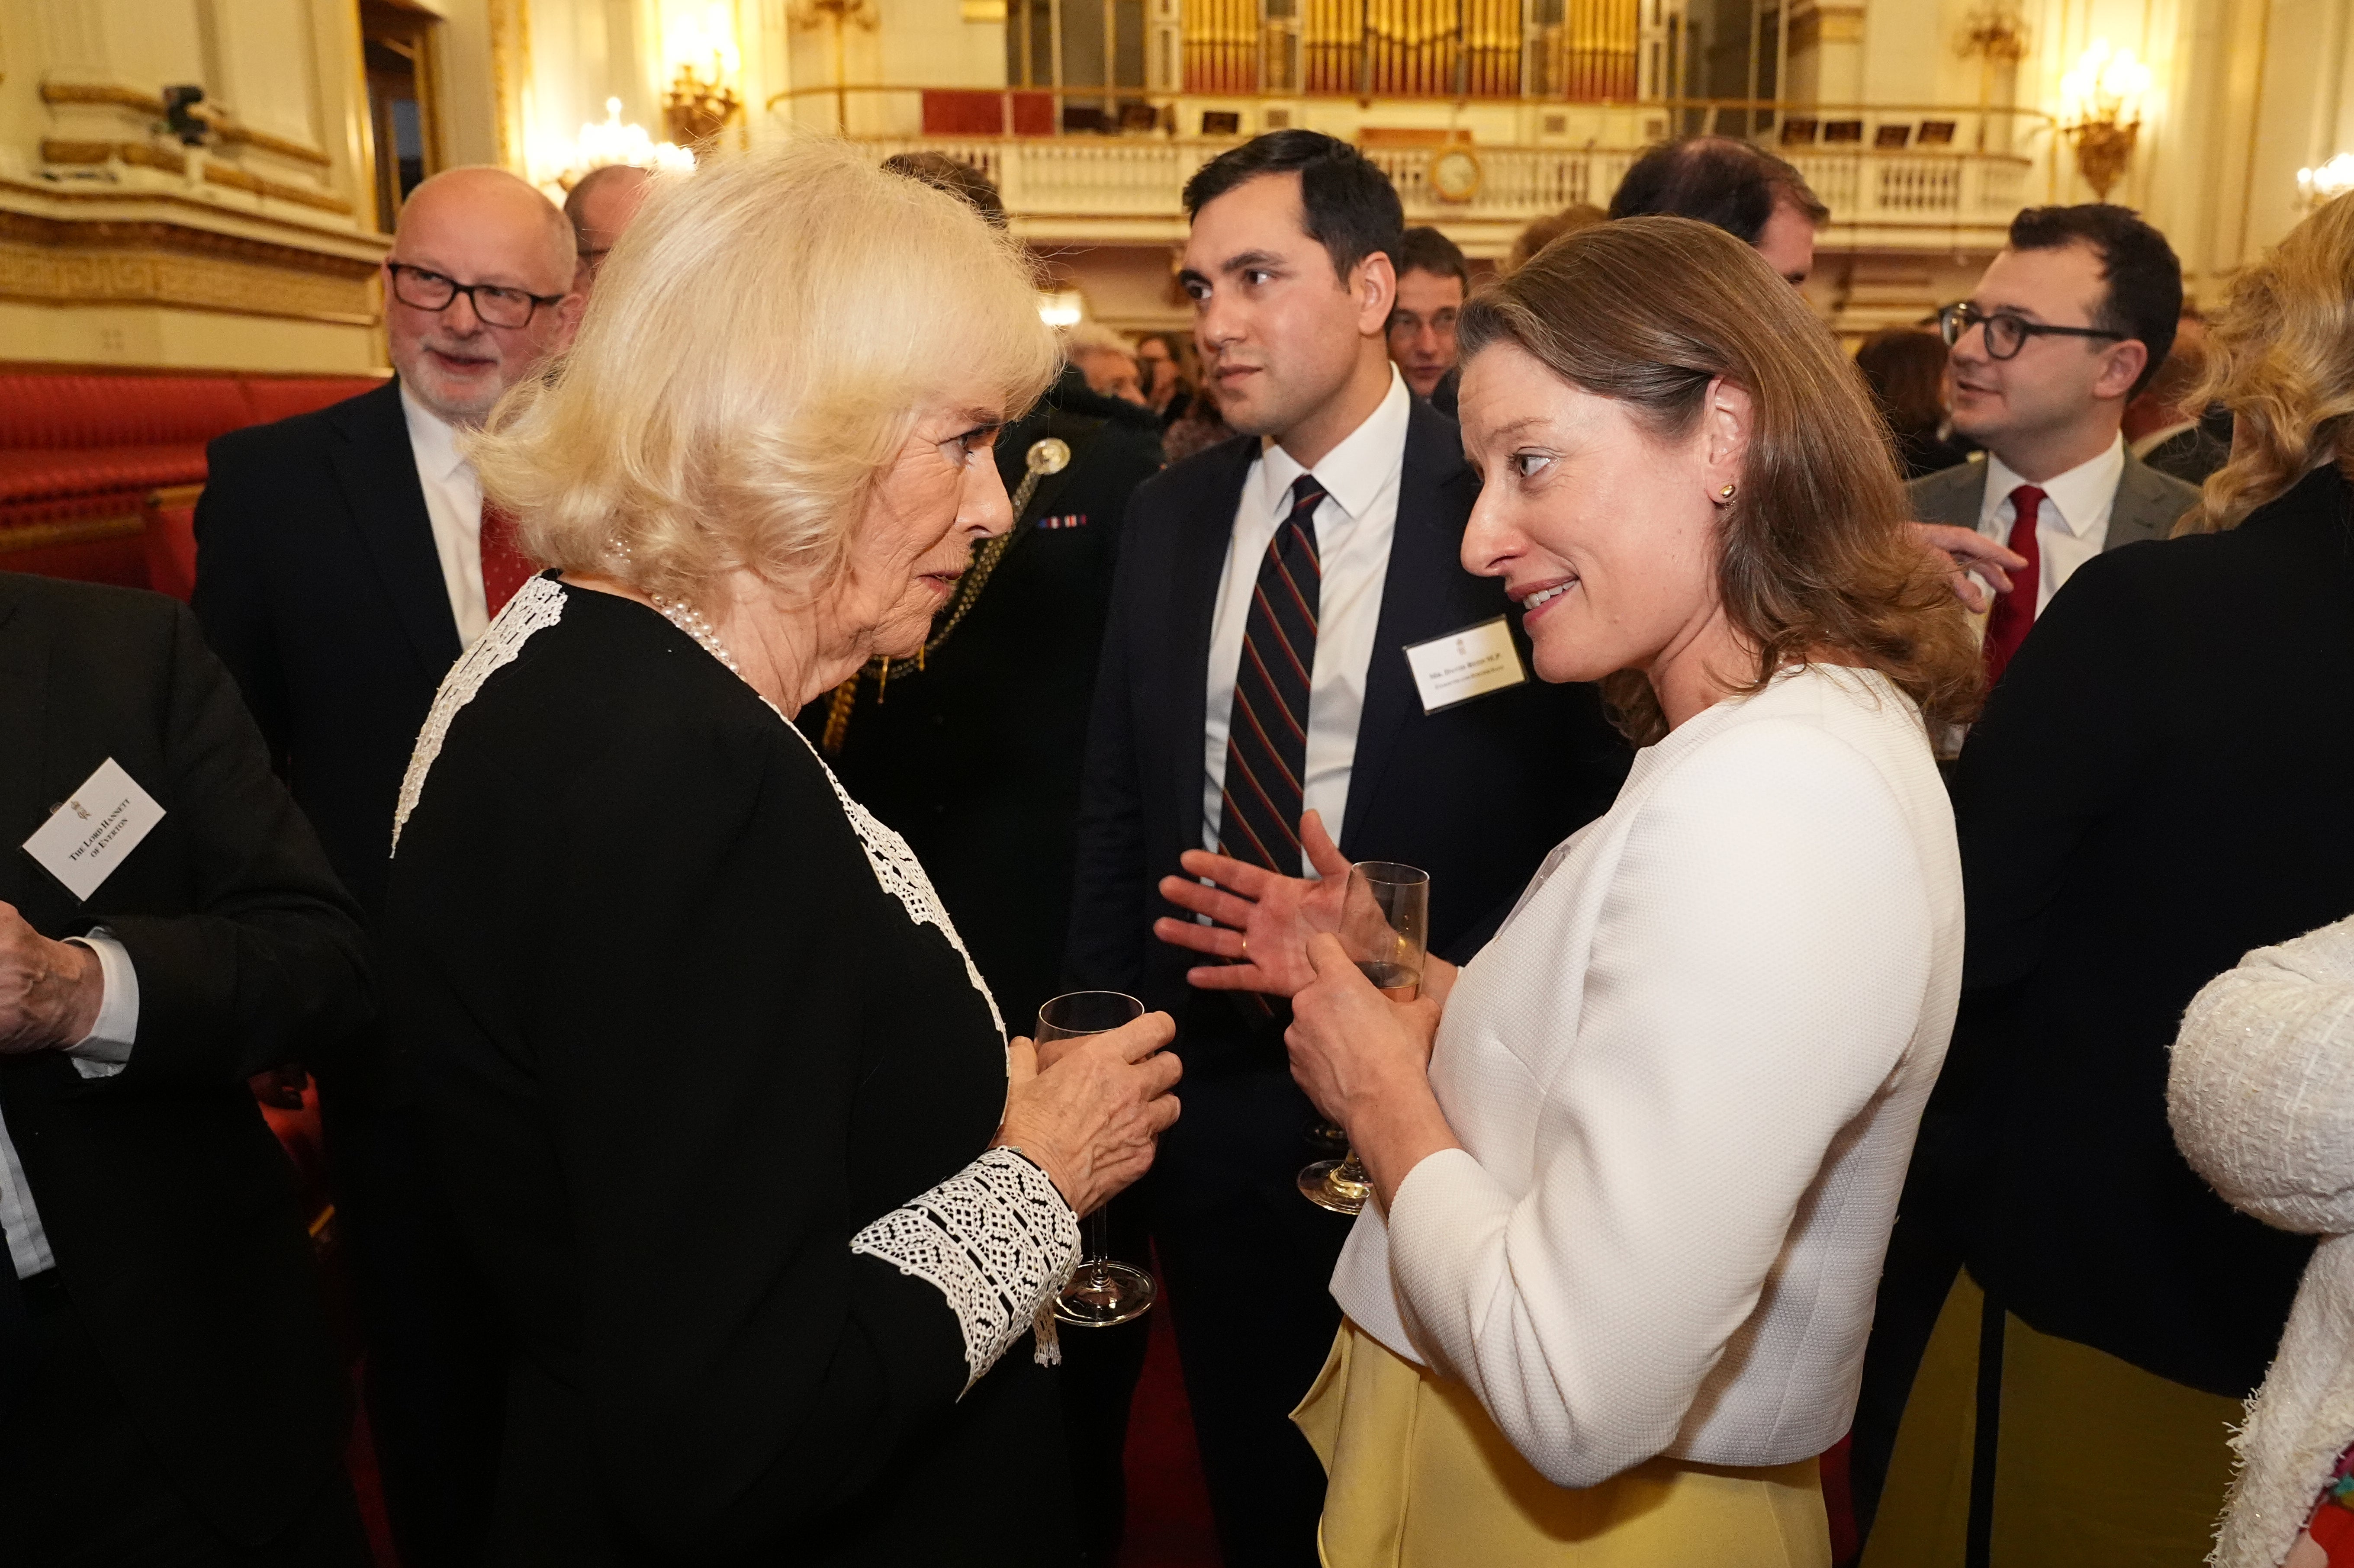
<point>2262,1095</point>
<point>1612,1300</point>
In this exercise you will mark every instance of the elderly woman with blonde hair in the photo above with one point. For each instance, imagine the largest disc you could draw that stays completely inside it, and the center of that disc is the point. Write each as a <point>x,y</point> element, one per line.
<point>725,1111</point>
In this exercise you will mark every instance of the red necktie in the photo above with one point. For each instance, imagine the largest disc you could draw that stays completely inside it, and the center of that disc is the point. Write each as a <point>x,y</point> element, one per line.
<point>2014,612</point>
<point>504,566</point>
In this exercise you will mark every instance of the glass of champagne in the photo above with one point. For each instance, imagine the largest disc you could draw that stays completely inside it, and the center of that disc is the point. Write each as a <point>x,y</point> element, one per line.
<point>1385,927</point>
<point>1102,1292</point>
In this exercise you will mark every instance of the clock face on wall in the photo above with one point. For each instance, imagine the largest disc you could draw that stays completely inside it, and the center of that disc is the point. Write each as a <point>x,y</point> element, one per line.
<point>1454,175</point>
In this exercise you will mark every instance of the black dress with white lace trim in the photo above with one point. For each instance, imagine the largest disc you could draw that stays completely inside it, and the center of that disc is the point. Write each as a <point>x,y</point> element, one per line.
<point>713,1081</point>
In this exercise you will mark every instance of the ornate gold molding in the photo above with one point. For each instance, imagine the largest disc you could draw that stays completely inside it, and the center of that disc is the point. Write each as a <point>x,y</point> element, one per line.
<point>144,153</point>
<point>227,127</point>
<point>171,161</point>
<point>75,531</point>
<point>60,262</point>
<point>230,174</point>
<point>510,69</point>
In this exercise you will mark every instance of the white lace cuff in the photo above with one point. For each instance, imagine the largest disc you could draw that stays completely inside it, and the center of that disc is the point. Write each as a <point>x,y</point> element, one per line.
<point>998,1241</point>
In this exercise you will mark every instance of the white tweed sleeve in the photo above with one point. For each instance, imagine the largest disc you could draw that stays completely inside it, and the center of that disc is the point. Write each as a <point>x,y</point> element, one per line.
<point>2261,1087</point>
<point>1756,977</point>
<point>997,1241</point>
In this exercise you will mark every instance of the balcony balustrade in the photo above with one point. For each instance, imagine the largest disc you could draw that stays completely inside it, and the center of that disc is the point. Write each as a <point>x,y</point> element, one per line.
<point>1103,189</point>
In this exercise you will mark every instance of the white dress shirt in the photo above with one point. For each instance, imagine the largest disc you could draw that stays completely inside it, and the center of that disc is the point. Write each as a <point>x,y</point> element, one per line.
<point>100,1054</point>
<point>1354,524</point>
<point>2072,524</point>
<point>1686,1076</point>
<point>453,500</point>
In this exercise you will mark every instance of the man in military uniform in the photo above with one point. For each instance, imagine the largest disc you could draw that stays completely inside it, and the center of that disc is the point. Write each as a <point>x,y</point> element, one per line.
<point>973,752</point>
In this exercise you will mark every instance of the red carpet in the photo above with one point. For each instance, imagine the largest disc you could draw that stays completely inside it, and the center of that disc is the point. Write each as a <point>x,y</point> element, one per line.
<point>1167,1504</point>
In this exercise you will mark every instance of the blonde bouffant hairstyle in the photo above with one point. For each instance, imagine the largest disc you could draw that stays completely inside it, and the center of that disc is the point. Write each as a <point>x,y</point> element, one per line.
<point>755,353</point>
<point>2280,355</point>
<point>1814,560</point>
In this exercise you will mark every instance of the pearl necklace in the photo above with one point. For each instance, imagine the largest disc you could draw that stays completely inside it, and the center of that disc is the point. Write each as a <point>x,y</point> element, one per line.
<point>695,625</point>
<point>692,621</point>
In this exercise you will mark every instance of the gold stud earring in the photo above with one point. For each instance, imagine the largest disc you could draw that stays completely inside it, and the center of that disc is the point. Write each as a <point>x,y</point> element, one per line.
<point>1725,494</point>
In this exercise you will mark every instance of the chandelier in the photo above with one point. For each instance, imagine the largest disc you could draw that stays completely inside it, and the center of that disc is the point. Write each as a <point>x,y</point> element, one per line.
<point>2319,187</point>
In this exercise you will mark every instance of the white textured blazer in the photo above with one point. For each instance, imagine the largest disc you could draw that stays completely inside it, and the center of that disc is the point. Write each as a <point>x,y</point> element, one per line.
<point>2261,1091</point>
<point>1686,1076</point>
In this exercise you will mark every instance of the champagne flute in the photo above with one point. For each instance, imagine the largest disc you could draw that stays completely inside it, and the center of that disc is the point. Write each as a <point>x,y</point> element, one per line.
<point>1103,1292</point>
<point>1385,928</point>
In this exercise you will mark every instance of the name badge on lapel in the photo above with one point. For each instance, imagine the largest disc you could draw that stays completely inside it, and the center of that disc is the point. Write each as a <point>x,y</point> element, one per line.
<point>100,824</point>
<point>1454,668</point>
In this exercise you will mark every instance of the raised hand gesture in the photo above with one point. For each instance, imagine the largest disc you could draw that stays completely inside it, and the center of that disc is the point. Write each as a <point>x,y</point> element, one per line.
<point>1263,918</point>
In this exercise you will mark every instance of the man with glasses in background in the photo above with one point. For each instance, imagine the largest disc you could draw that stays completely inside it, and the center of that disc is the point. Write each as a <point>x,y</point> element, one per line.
<point>2070,322</point>
<point>344,560</point>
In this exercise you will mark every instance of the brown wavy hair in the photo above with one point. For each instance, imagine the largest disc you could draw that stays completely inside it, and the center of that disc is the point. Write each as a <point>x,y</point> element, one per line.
<point>2280,355</point>
<point>1815,563</point>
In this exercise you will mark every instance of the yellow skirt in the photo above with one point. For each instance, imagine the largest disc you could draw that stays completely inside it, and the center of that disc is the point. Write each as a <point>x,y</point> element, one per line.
<point>1420,1478</point>
<point>2095,1461</point>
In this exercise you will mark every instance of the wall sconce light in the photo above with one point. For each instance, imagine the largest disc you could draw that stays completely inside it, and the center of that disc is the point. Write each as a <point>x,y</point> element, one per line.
<point>2100,112</point>
<point>1061,307</point>
<point>2319,187</point>
<point>697,107</point>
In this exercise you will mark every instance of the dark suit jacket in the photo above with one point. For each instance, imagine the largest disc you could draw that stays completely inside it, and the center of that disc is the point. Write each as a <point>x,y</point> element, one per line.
<point>318,585</point>
<point>170,1208</point>
<point>1476,795</point>
<point>2158,784</point>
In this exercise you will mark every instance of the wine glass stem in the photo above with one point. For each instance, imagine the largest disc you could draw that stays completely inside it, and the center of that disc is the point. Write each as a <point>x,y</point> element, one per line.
<point>1097,1244</point>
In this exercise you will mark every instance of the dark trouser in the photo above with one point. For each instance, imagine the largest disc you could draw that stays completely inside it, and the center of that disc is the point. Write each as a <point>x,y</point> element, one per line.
<point>1924,1256</point>
<point>436,1353</point>
<point>1250,1266</point>
<point>1100,1367</point>
<point>80,1487</point>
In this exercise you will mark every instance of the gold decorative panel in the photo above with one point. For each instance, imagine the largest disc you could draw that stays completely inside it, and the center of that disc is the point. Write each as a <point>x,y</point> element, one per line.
<point>67,262</point>
<point>1590,57</point>
<point>1220,40</point>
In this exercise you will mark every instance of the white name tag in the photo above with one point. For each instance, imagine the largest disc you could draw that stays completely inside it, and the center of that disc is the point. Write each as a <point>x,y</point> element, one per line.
<point>1465,664</point>
<point>101,823</point>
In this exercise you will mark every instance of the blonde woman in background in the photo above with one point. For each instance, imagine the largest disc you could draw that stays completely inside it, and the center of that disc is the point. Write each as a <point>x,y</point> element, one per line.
<point>725,1109</point>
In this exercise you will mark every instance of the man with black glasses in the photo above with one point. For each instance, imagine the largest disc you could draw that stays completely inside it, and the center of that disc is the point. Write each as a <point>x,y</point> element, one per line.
<point>2068,324</point>
<point>345,559</point>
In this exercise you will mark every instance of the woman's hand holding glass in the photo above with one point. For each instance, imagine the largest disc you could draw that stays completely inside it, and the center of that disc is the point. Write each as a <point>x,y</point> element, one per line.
<point>1366,1060</point>
<point>1093,1117</point>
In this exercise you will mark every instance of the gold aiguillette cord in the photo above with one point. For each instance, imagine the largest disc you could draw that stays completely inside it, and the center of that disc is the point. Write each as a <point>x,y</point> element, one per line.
<point>1050,455</point>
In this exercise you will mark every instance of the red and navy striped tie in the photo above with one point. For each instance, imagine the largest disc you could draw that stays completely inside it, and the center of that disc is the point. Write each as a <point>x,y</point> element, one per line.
<point>1266,732</point>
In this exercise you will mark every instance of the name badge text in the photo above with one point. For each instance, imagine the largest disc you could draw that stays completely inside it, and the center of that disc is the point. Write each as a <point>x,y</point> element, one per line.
<point>1460,665</point>
<point>100,824</point>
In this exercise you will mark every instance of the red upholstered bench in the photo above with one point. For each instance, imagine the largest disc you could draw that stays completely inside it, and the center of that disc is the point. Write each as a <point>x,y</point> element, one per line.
<point>92,462</point>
